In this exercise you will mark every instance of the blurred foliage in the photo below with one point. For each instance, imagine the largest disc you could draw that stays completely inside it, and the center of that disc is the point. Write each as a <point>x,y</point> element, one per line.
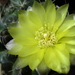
<point>9,11</point>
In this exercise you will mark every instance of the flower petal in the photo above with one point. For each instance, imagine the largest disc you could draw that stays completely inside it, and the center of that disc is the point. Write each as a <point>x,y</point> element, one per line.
<point>26,41</point>
<point>21,36</point>
<point>15,49</point>
<point>13,25</point>
<point>68,40</point>
<point>70,17</point>
<point>39,10</point>
<point>22,12</point>
<point>51,60</point>
<point>47,4</point>
<point>19,32</point>
<point>35,59</point>
<point>64,27</point>
<point>61,46</point>
<point>71,32</point>
<point>26,24</point>
<point>49,55</point>
<point>21,62</point>
<point>42,67</point>
<point>65,68</point>
<point>61,35</point>
<point>35,19</point>
<point>13,29</point>
<point>71,48</point>
<point>55,65</point>
<point>60,16</point>
<point>51,16</point>
<point>28,50</point>
<point>63,56</point>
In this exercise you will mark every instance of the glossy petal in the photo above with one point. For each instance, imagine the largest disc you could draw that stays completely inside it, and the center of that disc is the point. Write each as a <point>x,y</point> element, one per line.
<point>70,17</point>
<point>61,46</point>
<point>66,25</point>
<point>51,60</point>
<point>26,40</point>
<point>35,59</point>
<point>35,19</point>
<point>16,49</point>
<point>28,50</point>
<point>47,4</point>
<point>21,62</point>
<point>51,16</point>
<point>63,56</point>
<point>71,32</point>
<point>55,65</point>
<point>60,16</point>
<point>49,54</point>
<point>39,10</point>
<point>71,48</point>
<point>22,12</point>
<point>65,69</point>
<point>13,25</point>
<point>18,32</point>
<point>26,24</point>
<point>42,67</point>
<point>69,40</point>
<point>61,35</point>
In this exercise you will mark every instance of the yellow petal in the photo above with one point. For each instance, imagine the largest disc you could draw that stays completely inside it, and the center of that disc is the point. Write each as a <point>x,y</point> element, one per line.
<point>51,60</point>
<point>47,4</point>
<point>15,49</point>
<point>68,40</point>
<point>71,48</point>
<point>63,56</point>
<point>62,11</point>
<point>40,54</point>
<point>51,16</point>
<point>35,59</point>
<point>66,25</point>
<point>63,30</point>
<point>22,12</point>
<point>60,16</point>
<point>55,65</point>
<point>71,32</point>
<point>21,62</point>
<point>26,24</point>
<point>42,67</point>
<point>18,32</point>
<point>70,17</point>
<point>39,10</point>
<point>28,50</point>
<point>60,46</point>
<point>49,55</point>
<point>13,25</point>
<point>35,19</point>
<point>65,69</point>
<point>61,34</point>
<point>21,36</point>
<point>26,41</point>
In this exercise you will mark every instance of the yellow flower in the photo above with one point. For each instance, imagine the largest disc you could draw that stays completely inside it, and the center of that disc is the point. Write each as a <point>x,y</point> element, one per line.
<point>45,37</point>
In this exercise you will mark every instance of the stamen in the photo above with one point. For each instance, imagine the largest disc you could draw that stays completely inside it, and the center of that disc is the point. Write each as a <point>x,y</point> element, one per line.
<point>45,38</point>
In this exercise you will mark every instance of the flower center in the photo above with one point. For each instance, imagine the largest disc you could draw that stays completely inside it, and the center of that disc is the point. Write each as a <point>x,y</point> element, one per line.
<point>45,38</point>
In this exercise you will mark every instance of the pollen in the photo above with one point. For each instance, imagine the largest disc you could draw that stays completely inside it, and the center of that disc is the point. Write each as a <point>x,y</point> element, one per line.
<point>45,38</point>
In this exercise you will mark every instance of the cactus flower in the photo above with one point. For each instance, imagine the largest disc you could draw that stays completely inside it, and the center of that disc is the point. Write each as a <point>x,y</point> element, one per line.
<point>44,37</point>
